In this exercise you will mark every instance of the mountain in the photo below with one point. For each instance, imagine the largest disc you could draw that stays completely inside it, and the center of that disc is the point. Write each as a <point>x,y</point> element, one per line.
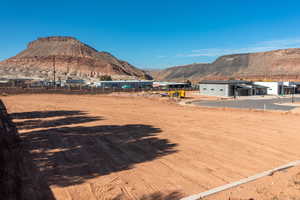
<point>271,65</point>
<point>71,58</point>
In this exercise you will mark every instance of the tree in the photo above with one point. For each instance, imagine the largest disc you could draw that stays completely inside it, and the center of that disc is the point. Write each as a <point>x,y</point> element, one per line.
<point>189,82</point>
<point>105,78</point>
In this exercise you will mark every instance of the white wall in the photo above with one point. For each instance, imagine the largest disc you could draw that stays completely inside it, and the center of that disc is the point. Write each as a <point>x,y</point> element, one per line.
<point>221,90</point>
<point>273,87</point>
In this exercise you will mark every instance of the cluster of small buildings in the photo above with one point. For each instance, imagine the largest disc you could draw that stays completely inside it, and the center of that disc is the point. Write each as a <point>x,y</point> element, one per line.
<point>247,88</point>
<point>210,87</point>
<point>117,84</point>
<point>126,84</point>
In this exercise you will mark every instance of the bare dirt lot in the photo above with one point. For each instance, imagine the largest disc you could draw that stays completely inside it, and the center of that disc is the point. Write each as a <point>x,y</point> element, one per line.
<point>283,185</point>
<point>107,147</point>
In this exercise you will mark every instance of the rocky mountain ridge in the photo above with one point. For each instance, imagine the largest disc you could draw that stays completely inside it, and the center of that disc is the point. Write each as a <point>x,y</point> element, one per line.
<point>69,58</point>
<point>283,64</point>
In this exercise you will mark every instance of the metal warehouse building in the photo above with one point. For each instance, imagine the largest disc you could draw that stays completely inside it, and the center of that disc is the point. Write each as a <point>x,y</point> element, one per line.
<point>231,88</point>
<point>125,84</point>
<point>171,85</point>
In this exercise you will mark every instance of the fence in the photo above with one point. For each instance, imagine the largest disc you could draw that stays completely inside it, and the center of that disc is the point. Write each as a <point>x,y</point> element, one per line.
<point>78,90</point>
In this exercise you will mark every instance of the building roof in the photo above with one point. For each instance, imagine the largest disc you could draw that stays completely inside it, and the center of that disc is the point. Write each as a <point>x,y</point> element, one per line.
<point>231,82</point>
<point>126,81</point>
<point>169,83</point>
<point>259,86</point>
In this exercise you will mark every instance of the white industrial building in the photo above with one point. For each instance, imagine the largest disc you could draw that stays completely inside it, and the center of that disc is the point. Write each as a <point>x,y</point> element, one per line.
<point>231,88</point>
<point>274,88</point>
<point>247,88</point>
<point>280,88</point>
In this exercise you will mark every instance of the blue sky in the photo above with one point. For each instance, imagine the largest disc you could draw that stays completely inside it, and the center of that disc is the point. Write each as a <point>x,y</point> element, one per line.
<point>155,33</point>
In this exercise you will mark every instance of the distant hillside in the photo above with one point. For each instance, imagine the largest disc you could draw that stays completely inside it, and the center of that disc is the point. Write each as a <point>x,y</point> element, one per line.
<point>72,59</point>
<point>278,64</point>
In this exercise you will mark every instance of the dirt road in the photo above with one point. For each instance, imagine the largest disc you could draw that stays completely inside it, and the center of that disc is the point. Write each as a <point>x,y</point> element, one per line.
<point>98,147</point>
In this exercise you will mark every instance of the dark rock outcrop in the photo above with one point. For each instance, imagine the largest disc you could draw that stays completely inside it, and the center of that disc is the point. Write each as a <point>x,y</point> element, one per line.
<point>11,159</point>
<point>18,174</point>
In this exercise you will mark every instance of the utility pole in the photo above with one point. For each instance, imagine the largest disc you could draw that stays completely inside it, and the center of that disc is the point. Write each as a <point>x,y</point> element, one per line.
<point>54,78</point>
<point>293,93</point>
<point>234,91</point>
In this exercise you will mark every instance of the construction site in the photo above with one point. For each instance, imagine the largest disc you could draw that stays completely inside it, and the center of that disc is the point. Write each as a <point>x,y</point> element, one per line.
<point>150,100</point>
<point>142,147</point>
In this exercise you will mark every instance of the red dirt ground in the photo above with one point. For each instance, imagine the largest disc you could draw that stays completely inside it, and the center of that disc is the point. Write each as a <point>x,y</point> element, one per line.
<point>105,147</point>
<point>283,185</point>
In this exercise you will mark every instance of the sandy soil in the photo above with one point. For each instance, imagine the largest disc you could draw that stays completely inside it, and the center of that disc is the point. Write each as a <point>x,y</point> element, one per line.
<point>284,185</point>
<point>105,147</point>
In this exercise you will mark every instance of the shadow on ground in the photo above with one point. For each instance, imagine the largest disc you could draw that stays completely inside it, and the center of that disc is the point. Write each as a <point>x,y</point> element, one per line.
<point>32,124</point>
<point>157,196</point>
<point>34,186</point>
<point>70,155</point>
<point>46,114</point>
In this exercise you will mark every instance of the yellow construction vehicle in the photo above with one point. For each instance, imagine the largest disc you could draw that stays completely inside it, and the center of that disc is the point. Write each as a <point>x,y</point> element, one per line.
<point>177,93</point>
